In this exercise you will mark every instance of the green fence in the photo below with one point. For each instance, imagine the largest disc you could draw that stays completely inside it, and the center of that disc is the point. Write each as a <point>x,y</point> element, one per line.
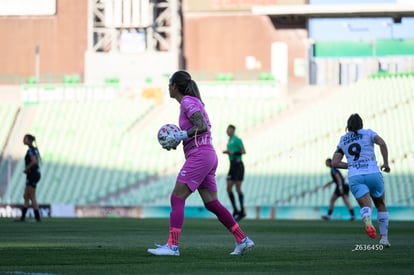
<point>364,48</point>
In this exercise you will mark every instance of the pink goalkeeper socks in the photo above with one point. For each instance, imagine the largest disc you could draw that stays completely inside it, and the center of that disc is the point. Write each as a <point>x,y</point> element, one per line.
<point>174,236</point>
<point>226,219</point>
<point>176,219</point>
<point>222,213</point>
<point>177,212</point>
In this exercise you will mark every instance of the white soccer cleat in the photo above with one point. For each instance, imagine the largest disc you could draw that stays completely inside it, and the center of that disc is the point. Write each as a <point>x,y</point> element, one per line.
<point>164,250</point>
<point>243,247</point>
<point>384,242</point>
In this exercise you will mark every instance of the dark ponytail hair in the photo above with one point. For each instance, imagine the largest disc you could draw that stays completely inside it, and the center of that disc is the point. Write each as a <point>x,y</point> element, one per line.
<point>32,140</point>
<point>354,123</point>
<point>185,84</point>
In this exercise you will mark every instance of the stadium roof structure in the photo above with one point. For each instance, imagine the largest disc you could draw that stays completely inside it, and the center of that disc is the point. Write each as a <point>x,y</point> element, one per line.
<point>297,15</point>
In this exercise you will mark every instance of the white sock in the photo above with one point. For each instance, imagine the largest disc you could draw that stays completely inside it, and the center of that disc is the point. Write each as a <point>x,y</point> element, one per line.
<point>365,213</point>
<point>382,218</point>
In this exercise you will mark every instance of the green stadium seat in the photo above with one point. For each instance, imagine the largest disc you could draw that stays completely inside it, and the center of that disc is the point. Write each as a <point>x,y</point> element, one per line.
<point>105,152</point>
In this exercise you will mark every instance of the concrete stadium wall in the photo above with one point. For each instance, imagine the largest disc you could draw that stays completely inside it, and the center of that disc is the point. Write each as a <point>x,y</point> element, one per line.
<point>62,40</point>
<point>212,43</point>
<point>221,43</point>
<point>130,69</point>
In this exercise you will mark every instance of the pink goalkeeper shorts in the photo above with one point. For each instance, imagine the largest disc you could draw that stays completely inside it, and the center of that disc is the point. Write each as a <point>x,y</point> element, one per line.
<point>199,169</point>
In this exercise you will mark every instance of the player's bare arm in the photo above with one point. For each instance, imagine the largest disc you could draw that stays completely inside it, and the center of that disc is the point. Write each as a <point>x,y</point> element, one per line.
<point>328,184</point>
<point>337,161</point>
<point>384,152</point>
<point>199,124</point>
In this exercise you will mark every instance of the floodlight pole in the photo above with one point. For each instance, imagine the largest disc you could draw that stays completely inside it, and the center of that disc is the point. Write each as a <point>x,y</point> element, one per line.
<point>374,47</point>
<point>37,63</point>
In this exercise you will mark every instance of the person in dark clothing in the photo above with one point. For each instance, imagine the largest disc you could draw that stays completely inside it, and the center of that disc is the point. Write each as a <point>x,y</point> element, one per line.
<point>33,175</point>
<point>341,190</point>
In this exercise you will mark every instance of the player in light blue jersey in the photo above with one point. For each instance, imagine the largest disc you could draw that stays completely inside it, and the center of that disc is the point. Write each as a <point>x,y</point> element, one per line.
<point>364,176</point>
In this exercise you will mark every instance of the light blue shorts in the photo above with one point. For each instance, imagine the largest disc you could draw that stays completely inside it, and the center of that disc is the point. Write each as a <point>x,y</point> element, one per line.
<point>370,183</point>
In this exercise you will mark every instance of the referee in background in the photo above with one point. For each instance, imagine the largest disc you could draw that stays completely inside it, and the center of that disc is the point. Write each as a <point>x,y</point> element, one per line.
<point>235,176</point>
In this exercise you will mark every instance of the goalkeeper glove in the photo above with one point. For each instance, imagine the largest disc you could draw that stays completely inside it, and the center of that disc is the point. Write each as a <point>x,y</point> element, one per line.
<point>169,141</point>
<point>181,135</point>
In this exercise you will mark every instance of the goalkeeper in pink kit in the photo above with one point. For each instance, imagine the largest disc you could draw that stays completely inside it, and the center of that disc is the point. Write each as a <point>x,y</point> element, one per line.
<point>199,169</point>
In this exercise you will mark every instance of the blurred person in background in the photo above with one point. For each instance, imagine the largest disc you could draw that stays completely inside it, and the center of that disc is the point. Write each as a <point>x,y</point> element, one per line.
<point>235,150</point>
<point>341,190</point>
<point>33,175</point>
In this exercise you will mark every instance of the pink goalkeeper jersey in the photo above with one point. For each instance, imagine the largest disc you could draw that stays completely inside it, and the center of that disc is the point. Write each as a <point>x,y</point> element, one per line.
<point>188,106</point>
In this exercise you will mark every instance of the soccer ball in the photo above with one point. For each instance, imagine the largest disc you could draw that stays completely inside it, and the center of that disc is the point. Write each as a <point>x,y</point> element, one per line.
<point>166,136</point>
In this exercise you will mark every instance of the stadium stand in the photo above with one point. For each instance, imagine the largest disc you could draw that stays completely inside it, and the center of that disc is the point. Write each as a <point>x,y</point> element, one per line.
<point>8,113</point>
<point>7,116</point>
<point>85,148</point>
<point>106,153</point>
<point>307,141</point>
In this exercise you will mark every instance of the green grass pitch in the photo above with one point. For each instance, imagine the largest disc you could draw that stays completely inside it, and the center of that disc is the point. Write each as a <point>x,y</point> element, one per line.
<point>119,246</point>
